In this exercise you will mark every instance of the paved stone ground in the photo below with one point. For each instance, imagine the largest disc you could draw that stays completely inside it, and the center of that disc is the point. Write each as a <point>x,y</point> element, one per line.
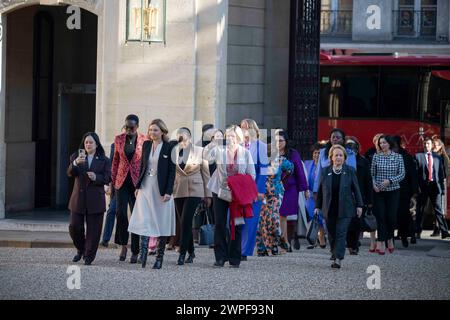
<point>420,272</point>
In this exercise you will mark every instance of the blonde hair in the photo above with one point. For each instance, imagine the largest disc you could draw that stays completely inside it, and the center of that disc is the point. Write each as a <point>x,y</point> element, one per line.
<point>162,126</point>
<point>252,128</point>
<point>238,131</point>
<point>442,152</point>
<point>334,147</point>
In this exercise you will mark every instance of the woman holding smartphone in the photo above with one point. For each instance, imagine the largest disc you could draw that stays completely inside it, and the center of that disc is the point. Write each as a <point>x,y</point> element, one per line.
<point>92,171</point>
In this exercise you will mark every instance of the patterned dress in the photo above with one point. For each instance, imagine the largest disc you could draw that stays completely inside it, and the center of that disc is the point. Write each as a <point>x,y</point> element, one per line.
<point>268,234</point>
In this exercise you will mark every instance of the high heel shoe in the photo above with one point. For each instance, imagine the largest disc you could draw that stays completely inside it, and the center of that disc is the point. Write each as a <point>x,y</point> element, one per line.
<point>275,251</point>
<point>381,253</point>
<point>391,250</point>
<point>123,254</point>
<point>158,263</point>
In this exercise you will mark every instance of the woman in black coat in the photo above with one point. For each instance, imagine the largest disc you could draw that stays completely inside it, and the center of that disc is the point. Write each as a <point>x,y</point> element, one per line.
<point>92,171</point>
<point>338,195</point>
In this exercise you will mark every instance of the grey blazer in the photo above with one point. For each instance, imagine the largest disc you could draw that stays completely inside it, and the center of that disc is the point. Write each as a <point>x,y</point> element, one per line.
<point>349,193</point>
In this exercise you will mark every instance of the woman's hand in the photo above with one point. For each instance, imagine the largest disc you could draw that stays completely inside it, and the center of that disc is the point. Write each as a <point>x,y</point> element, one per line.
<point>208,202</point>
<point>91,176</point>
<point>80,160</point>
<point>166,198</point>
<point>385,183</point>
<point>307,194</point>
<point>375,188</point>
<point>359,212</point>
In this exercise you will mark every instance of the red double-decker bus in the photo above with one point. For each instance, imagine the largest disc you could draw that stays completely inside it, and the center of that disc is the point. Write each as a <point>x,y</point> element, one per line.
<point>399,94</point>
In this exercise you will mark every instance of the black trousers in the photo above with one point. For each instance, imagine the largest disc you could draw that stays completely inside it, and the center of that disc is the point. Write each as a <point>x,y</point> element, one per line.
<point>385,210</point>
<point>353,232</point>
<point>185,208</point>
<point>337,234</point>
<point>225,249</point>
<point>431,192</point>
<point>404,216</point>
<point>124,197</point>
<point>86,242</point>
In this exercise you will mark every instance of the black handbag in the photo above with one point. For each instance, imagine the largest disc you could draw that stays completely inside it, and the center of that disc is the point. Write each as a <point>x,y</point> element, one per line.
<point>368,222</point>
<point>206,234</point>
<point>313,230</point>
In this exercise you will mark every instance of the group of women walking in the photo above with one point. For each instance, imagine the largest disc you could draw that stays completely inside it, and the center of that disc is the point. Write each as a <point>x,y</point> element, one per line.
<point>258,193</point>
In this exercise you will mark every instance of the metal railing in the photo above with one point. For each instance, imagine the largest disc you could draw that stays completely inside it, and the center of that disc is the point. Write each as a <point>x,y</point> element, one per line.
<point>336,22</point>
<point>411,23</point>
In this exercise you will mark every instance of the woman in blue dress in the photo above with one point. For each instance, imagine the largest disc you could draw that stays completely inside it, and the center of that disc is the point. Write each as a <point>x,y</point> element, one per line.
<point>258,150</point>
<point>311,169</point>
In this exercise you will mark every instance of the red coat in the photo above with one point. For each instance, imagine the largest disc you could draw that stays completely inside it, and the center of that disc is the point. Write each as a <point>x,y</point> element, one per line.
<point>120,164</point>
<point>244,193</point>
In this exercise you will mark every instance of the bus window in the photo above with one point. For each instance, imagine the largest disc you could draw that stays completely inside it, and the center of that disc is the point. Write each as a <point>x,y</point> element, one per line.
<point>348,92</point>
<point>398,92</point>
<point>435,90</point>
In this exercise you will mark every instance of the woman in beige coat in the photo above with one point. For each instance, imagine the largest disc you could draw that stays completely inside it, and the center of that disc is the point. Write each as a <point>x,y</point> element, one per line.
<point>192,177</point>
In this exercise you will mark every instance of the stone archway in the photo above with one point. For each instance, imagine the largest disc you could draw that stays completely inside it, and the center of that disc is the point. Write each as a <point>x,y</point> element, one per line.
<point>7,7</point>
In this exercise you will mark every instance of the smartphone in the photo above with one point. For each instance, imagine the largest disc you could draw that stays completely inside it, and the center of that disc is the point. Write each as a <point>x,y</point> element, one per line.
<point>82,153</point>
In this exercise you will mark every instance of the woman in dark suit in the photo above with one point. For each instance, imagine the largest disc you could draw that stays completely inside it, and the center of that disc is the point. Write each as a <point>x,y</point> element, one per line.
<point>154,211</point>
<point>92,171</point>
<point>365,186</point>
<point>338,190</point>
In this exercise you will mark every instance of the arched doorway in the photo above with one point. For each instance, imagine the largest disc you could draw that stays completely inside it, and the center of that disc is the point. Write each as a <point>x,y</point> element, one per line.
<point>43,59</point>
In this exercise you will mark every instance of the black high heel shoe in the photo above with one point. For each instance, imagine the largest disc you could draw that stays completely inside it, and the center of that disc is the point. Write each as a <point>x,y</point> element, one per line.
<point>158,263</point>
<point>190,258</point>
<point>123,254</point>
<point>275,251</point>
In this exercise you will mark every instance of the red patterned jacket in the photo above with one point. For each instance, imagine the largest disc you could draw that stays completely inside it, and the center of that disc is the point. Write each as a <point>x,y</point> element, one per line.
<point>120,164</point>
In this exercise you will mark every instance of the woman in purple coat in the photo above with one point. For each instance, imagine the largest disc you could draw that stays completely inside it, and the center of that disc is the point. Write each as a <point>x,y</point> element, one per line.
<point>293,184</point>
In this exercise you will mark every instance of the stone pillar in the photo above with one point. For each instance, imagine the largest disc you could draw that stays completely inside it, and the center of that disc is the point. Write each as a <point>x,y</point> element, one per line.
<point>211,23</point>
<point>372,20</point>
<point>2,114</point>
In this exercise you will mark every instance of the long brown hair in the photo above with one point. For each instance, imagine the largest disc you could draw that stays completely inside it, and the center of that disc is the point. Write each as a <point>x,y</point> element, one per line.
<point>162,126</point>
<point>442,151</point>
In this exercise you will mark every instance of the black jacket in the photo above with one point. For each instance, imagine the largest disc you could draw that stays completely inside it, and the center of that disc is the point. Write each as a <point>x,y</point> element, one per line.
<point>410,185</point>
<point>364,179</point>
<point>438,171</point>
<point>166,167</point>
<point>349,194</point>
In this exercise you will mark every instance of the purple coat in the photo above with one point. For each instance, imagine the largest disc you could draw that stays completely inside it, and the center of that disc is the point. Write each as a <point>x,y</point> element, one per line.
<point>294,184</point>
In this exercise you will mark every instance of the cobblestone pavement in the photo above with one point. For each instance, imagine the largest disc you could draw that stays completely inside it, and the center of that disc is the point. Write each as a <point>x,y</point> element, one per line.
<point>420,272</point>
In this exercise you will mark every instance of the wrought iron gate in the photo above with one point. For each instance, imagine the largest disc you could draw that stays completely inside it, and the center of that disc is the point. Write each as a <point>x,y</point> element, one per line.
<point>304,74</point>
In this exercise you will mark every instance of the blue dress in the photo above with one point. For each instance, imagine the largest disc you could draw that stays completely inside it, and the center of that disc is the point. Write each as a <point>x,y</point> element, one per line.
<point>248,235</point>
<point>310,203</point>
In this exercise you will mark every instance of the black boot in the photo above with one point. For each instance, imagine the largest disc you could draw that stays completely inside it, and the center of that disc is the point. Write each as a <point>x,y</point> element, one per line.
<point>160,256</point>
<point>181,259</point>
<point>144,251</point>
<point>190,258</point>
